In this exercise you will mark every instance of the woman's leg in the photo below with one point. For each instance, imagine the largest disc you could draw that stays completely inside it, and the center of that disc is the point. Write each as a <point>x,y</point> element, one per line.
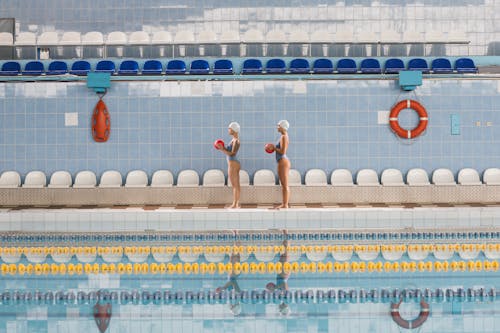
<point>234,178</point>
<point>283,169</point>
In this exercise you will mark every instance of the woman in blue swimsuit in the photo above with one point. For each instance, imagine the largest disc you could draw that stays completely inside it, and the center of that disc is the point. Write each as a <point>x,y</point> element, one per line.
<point>233,165</point>
<point>282,278</point>
<point>283,162</point>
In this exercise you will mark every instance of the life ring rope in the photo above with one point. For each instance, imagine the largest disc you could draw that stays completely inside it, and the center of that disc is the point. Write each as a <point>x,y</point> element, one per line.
<point>402,132</point>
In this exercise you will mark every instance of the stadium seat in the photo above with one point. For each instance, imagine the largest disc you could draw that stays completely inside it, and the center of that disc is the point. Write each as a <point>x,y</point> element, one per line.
<point>394,66</point>
<point>10,68</point>
<point>188,178</point>
<point>57,68</point>
<point>128,67</point>
<point>60,179</point>
<point>417,177</point>
<point>315,177</point>
<point>441,66</point>
<point>276,66</point>
<point>367,177</point>
<point>223,66</point>
<point>176,67</point>
<point>443,177</point>
<point>341,177</point>
<point>214,177</point>
<point>34,68</point>
<point>199,67</point>
<point>323,66</point>
<point>111,178</point>
<point>48,38</point>
<point>35,179</point>
<point>392,177</point>
<point>299,66</point>
<point>346,66</point>
<point>105,66</point>
<point>252,66</point>
<point>80,67</point>
<point>370,66</point>
<point>162,178</point>
<point>6,39</point>
<point>465,65</point>
<point>152,67</point>
<point>10,179</point>
<point>418,64</point>
<point>469,176</point>
<point>491,176</point>
<point>294,178</point>
<point>136,178</point>
<point>85,179</point>
<point>264,177</point>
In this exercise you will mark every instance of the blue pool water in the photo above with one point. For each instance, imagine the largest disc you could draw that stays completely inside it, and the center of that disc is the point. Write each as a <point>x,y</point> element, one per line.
<point>339,300</point>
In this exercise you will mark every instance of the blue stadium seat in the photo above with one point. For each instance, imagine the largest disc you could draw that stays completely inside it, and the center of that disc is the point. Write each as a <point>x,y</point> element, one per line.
<point>441,66</point>
<point>223,66</point>
<point>152,67</point>
<point>252,66</point>
<point>418,64</point>
<point>80,67</point>
<point>105,66</point>
<point>347,66</point>
<point>276,66</point>
<point>33,68</point>
<point>299,66</point>
<point>176,67</point>
<point>323,66</point>
<point>10,68</point>
<point>394,66</point>
<point>57,68</point>
<point>199,67</point>
<point>465,65</point>
<point>370,66</point>
<point>128,67</point>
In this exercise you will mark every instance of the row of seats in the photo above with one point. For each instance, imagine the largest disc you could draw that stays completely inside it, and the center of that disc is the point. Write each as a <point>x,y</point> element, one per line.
<point>250,66</point>
<point>74,38</point>
<point>264,177</point>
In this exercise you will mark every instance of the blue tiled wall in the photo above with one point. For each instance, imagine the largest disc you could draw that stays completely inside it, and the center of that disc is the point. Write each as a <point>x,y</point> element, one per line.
<point>172,125</point>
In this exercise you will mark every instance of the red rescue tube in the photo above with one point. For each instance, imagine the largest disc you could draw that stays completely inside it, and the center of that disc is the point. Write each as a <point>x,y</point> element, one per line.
<point>101,122</point>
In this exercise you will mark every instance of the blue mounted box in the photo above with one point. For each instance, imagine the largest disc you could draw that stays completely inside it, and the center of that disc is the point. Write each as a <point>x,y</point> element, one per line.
<point>409,80</point>
<point>99,81</point>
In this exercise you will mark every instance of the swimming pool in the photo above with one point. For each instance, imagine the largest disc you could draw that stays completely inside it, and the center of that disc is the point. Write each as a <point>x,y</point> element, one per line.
<point>345,280</point>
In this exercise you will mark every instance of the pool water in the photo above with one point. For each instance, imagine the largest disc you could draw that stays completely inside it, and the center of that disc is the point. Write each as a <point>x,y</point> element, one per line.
<point>335,282</point>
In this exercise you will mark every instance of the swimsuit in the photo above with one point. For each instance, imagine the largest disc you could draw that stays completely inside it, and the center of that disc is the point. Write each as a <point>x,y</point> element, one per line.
<point>278,155</point>
<point>233,157</point>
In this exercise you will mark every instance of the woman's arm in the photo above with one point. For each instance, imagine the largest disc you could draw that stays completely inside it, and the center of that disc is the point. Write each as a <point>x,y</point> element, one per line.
<point>283,145</point>
<point>234,151</point>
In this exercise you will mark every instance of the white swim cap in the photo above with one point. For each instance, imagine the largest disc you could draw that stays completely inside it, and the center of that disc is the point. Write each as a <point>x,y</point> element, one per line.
<point>234,126</point>
<point>284,309</point>
<point>284,124</point>
<point>235,309</point>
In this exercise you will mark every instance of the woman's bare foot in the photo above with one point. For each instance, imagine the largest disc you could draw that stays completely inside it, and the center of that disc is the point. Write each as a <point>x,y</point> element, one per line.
<point>282,206</point>
<point>235,205</point>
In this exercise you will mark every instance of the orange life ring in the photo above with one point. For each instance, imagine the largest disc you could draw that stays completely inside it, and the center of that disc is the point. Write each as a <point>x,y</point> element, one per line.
<point>101,122</point>
<point>414,323</point>
<point>408,104</point>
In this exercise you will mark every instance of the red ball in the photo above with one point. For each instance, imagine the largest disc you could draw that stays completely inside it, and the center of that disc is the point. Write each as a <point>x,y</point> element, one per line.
<point>269,148</point>
<point>217,142</point>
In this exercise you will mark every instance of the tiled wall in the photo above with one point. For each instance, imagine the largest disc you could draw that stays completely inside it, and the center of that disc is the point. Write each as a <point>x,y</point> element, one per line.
<point>172,125</point>
<point>475,18</point>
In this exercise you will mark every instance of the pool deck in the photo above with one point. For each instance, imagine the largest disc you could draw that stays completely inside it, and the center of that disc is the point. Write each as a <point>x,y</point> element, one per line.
<point>255,217</point>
